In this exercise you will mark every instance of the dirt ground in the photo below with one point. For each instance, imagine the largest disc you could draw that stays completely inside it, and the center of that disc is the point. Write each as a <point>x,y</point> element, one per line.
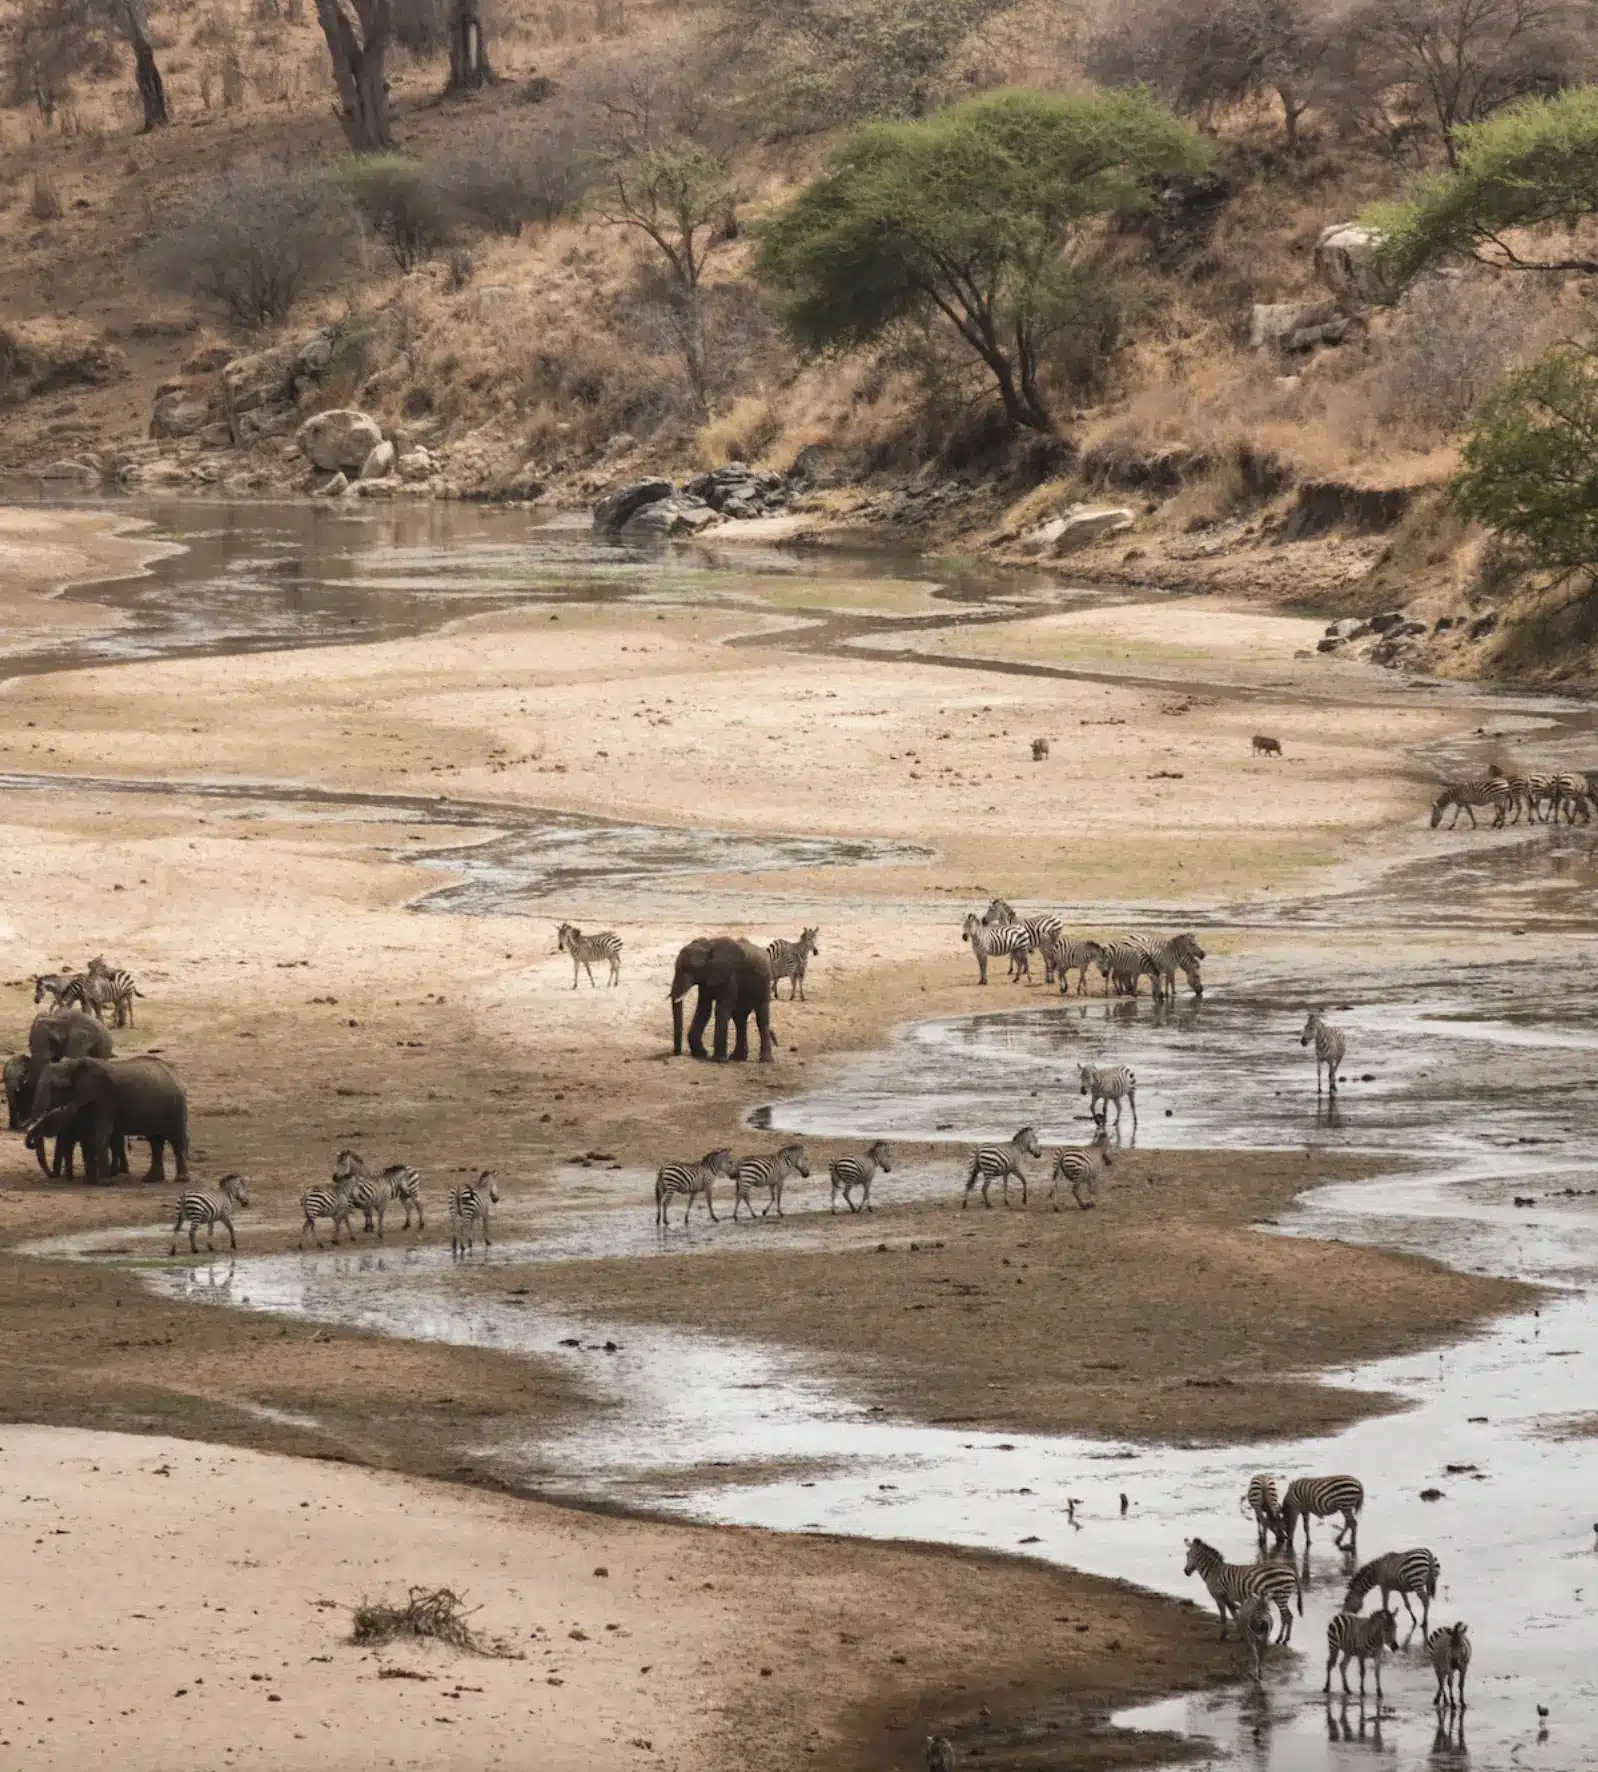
<point>306,1008</point>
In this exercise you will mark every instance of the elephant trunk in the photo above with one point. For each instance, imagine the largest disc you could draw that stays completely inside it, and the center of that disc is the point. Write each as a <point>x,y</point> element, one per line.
<point>676,1025</point>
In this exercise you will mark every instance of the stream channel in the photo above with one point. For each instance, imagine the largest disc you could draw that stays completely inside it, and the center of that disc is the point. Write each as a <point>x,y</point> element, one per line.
<point>1483,1082</point>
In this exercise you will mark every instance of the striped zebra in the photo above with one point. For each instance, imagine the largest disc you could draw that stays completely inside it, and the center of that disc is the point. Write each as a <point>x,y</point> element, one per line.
<point>1067,955</point>
<point>1466,796</point>
<point>1570,797</point>
<point>689,1180</point>
<point>993,1162</point>
<point>999,912</point>
<point>120,988</point>
<point>789,959</point>
<point>1043,930</point>
<point>1004,938</point>
<point>1108,1083</point>
<point>1318,1497</point>
<point>1128,960</point>
<point>468,1207</point>
<point>1230,1584</point>
<point>195,1209</point>
<point>371,1195</point>
<point>1448,1649</point>
<point>1254,1626</point>
<point>769,1173</point>
<point>73,990</point>
<point>850,1172</point>
<point>1359,1639</point>
<point>1402,1572</point>
<point>585,949</point>
<point>332,1202</point>
<point>1082,1169</point>
<point>1329,1048</point>
<point>1260,1499</point>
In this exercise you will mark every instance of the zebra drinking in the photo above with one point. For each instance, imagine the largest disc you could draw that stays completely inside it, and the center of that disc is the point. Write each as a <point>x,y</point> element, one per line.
<point>850,1172</point>
<point>1003,938</point>
<point>1402,1572</point>
<point>1320,1497</point>
<point>1260,1499</point>
<point>195,1209</point>
<point>1329,1048</point>
<point>789,959</point>
<point>468,1207</point>
<point>1082,1169</point>
<point>1448,1649</point>
<point>1230,1584</point>
<point>1108,1083</point>
<point>585,949</point>
<point>1359,1639</point>
<point>991,1162</point>
<point>690,1180</point>
<point>769,1173</point>
<point>1466,796</point>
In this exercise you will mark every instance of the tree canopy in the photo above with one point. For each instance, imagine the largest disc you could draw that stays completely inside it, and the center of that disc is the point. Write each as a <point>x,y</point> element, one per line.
<point>973,215</point>
<point>1533,165</point>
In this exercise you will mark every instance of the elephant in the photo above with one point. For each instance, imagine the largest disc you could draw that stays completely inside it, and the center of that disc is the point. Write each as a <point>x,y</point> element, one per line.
<point>99,1102</point>
<point>67,1033</point>
<point>733,978</point>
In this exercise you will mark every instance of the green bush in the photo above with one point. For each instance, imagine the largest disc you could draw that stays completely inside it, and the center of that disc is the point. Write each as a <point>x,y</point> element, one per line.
<point>404,203</point>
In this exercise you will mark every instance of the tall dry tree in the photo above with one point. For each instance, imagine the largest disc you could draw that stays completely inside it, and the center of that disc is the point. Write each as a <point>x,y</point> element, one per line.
<point>358,34</point>
<point>468,47</point>
<point>130,19</point>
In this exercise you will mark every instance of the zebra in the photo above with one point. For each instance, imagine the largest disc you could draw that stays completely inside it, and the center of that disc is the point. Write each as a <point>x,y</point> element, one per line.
<point>1329,1048</point>
<point>120,988</point>
<point>1082,1169</point>
<point>1359,1639</point>
<point>371,1195</point>
<point>1317,1497</point>
<point>789,959</point>
<point>466,1206</point>
<point>990,1162</point>
<point>1003,938</point>
<point>1449,1650</point>
<point>333,1203</point>
<point>1260,1499</point>
<point>852,1172</point>
<point>1254,1627</point>
<point>1466,796</point>
<point>1044,930</point>
<point>1230,1584</point>
<point>1403,1572</point>
<point>1108,1083</point>
<point>1066,955</point>
<point>999,912</point>
<point>769,1173</point>
<point>1570,796</point>
<point>1123,965</point>
<point>585,949</point>
<point>1129,959</point>
<point>690,1179</point>
<point>195,1209</point>
<point>73,990</point>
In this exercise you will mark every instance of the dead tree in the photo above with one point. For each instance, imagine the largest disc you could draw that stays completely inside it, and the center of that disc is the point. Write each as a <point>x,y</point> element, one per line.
<point>358,34</point>
<point>468,47</point>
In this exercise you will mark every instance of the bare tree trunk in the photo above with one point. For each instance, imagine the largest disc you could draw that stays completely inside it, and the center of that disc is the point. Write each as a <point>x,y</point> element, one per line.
<point>133,23</point>
<point>468,47</point>
<point>358,47</point>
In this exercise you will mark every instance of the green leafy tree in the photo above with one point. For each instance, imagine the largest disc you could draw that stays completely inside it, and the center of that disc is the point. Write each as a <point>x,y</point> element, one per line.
<point>978,218</point>
<point>1533,165</point>
<point>1530,467</point>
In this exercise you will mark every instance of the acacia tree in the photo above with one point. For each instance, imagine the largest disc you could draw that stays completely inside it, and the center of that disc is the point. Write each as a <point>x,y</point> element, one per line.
<point>975,219</point>
<point>358,34</point>
<point>130,19</point>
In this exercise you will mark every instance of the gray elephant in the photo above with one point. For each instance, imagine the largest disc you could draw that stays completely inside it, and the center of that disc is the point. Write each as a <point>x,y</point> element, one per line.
<point>66,1034</point>
<point>99,1102</point>
<point>733,978</point>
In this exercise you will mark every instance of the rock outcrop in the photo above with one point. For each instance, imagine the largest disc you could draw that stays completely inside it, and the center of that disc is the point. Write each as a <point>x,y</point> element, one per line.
<point>617,507</point>
<point>339,440</point>
<point>1291,327</point>
<point>1348,262</point>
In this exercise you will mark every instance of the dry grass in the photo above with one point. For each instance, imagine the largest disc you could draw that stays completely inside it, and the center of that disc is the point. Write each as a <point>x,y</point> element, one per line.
<point>431,1615</point>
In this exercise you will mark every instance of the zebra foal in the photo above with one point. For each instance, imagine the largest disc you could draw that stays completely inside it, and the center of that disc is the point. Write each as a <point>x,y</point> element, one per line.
<point>585,949</point>
<point>332,1203</point>
<point>1320,1497</point>
<point>1107,1083</point>
<point>689,1180</point>
<point>1066,955</point>
<point>1230,1584</point>
<point>769,1173</point>
<point>1403,1573</point>
<point>995,1162</point>
<point>1359,1639</point>
<point>1082,1169</point>
<point>372,1195</point>
<point>850,1172</point>
<point>1448,1649</point>
<point>1329,1048</point>
<point>789,960</point>
<point>468,1207</point>
<point>195,1209</point>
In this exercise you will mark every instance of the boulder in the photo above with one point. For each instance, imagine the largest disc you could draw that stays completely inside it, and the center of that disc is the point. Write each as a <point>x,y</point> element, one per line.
<point>264,378</point>
<point>1331,643</point>
<point>1087,523</point>
<point>379,464</point>
<point>339,439</point>
<point>334,488</point>
<point>1349,627</point>
<point>1390,618</point>
<point>313,354</point>
<point>679,515</point>
<point>69,470</point>
<point>414,466</point>
<point>1042,539</point>
<point>1348,262</point>
<point>617,508</point>
<point>1293,326</point>
<point>179,415</point>
<point>209,360</point>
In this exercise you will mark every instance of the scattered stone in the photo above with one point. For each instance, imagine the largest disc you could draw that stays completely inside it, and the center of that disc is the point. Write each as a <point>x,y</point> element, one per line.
<point>70,470</point>
<point>414,466</point>
<point>1431,1495</point>
<point>615,509</point>
<point>1083,524</point>
<point>1348,627</point>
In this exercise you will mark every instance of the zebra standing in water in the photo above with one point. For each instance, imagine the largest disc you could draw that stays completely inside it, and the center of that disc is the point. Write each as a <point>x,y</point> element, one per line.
<point>769,1173</point>
<point>1128,960</point>
<point>789,959</point>
<point>1254,1627</point>
<point>1260,1500</point>
<point>585,949</point>
<point>1403,1572</point>
<point>1108,1083</point>
<point>690,1179</point>
<point>1466,796</point>
<point>1359,1639</point>
<point>196,1209</point>
<point>119,988</point>
<point>1082,1169</point>
<point>851,1172</point>
<point>1329,1048</point>
<point>1449,1650</point>
<point>991,1162</point>
<point>1319,1497</point>
<point>1230,1584</point>
<point>1004,938</point>
<point>467,1207</point>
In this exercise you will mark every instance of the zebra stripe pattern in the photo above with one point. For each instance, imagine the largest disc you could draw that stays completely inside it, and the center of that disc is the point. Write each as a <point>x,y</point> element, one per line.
<point>1359,1639</point>
<point>789,959</point>
<point>999,912</point>
<point>332,1203</point>
<point>995,1162</point>
<point>119,988</point>
<point>1108,1083</point>
<point>1329,1048</point>
<point>1448,1649</point>
<point>1319,1497</point>
<point>1466,796</point>
<point>1254,1627</point>
<point>1044,931</point>
<point>1402,1572</point>
<point>690,1180</point>
<point>1007,938</point>
<point>852,1172</point>
<point>195,1209</point>
<point>585,949</point>
<point>1230,1584</point>
<point>1260,1499</point>
<point>1081,1168</point>
<point>74,990</point>
<point>468,1207</point>
<point>769,1173</point>
<point>1067,955</point>
<point>1570,796</point>
<point>372,1195</point>
<point>55,986</point>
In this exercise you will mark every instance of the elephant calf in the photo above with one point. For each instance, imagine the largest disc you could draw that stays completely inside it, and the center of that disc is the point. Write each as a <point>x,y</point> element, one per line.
<point>733,978</point>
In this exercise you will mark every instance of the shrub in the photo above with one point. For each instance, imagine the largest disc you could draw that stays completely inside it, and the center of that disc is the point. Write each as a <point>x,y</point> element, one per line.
<point>44,200</point>
<point>253,236</point>
<point>404,204</point>
<point>505,176</point>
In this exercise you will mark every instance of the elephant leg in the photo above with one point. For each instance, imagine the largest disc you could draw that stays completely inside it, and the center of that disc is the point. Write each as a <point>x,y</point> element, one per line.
<point>696,1028</point>
<point>763,1022</point>
<point>723,1014</point>
<point>740,1049</point>
<point>157,1169</point>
